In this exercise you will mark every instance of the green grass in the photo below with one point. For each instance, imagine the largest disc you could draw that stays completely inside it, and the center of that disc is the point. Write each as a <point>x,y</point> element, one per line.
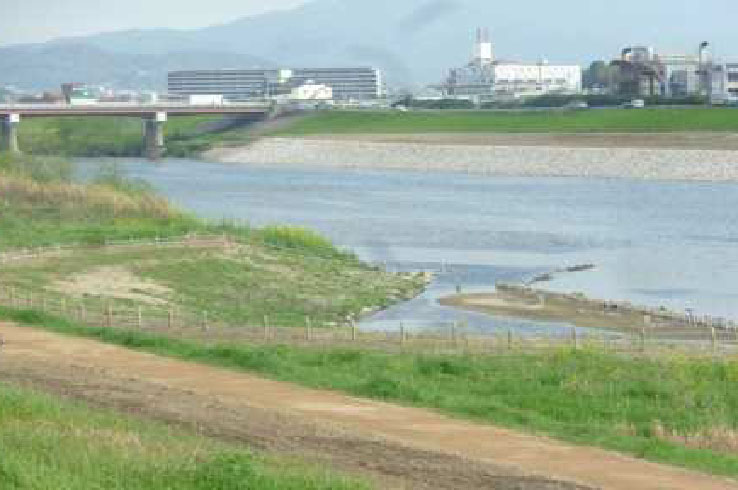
<point>558,121</point>
<point>46,443</point>
<point>282,272</point>
<point>642,407</point>
<point>114,136</point>
<point>286,285</point>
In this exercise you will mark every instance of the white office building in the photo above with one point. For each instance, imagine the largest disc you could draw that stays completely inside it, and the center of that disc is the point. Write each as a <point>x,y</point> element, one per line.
<point>345,83</point>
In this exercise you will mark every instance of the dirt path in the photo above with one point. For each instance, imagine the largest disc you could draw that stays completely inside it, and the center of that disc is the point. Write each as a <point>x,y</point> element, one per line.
<point>414,446</point>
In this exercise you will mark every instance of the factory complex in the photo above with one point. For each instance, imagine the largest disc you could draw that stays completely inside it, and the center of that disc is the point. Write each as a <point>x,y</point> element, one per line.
<point>485,78</point>
<point>642,71</point>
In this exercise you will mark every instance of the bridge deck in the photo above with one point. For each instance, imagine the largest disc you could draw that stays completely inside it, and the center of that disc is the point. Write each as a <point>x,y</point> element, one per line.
<point>129,110</point>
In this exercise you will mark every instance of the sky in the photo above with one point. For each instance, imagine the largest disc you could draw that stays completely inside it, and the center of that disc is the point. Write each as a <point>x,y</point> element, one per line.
<point>30,21</point>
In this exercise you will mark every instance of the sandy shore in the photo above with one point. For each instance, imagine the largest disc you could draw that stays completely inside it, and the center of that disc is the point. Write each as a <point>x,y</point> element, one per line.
<point>537,304</point>
<point>708,157</point>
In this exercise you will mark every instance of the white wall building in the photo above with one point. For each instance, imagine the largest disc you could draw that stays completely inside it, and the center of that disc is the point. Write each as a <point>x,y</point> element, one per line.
<point>724,82</point>
<point>312,91</point>
<point>731,81</point>
<point>519,79</point>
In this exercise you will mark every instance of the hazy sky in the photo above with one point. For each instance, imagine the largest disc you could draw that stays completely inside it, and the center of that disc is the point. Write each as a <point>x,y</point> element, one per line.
<point>23,21</point>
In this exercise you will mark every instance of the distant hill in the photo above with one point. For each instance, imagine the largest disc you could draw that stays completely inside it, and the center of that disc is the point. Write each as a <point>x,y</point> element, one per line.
<point>46,66</point>
<point>415,41</point>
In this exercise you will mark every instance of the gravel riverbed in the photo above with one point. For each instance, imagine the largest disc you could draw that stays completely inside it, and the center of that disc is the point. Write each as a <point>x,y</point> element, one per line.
<point>510,160</point>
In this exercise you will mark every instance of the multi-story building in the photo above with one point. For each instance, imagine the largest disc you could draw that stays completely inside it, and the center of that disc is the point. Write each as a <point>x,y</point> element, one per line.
<point>346,83</point>
<point>486,78</point>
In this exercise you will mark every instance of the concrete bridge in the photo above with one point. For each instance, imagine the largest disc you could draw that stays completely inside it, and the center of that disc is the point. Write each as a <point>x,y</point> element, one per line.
<point>153,116</point>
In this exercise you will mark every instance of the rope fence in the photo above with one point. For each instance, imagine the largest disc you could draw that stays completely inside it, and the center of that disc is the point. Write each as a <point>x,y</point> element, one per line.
<point>453,338</point>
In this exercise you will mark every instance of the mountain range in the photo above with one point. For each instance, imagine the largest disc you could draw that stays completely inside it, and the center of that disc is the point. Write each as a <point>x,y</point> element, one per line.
<point>414,41</point>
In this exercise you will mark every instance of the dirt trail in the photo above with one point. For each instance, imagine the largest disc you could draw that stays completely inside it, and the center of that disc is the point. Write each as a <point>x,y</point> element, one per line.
<point>489,457</point>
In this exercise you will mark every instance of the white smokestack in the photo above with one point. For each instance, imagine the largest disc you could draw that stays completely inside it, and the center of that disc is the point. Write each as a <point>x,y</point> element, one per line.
<point>483,53</point>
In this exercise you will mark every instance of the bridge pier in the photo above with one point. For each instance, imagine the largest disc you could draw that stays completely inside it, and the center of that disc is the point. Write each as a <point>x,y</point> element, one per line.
<point>154,135</point>
<point>9,140</point>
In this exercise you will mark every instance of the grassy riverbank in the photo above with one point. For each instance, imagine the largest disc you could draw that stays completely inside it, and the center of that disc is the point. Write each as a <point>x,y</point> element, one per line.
<point>192,135</point>
<point>284,273</point>
<point>676,410</point>
<point>48,443</point>
<point>121,136</point>
<point>557,121</point>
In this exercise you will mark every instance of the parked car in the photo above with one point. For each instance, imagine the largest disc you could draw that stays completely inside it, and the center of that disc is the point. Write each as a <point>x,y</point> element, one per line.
<point>577,104</point>
<point>635,104</point>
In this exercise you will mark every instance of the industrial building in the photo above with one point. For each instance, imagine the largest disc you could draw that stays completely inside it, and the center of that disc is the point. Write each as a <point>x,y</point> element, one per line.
<point>345,83</point>
<point>725,83</point>
<point>643,72</point>
<point>485,78</point>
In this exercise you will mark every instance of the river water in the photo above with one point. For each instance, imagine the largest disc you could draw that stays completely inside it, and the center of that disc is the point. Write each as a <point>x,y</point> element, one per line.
<point>672,244</point>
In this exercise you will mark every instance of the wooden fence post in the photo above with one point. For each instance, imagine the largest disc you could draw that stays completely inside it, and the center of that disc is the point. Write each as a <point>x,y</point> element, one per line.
<point>109,315</point>
<point>170,316</point>
<point>509,339</point>
<point>308,333</point>
<point>353,330</point>
<point>643,339</point>
<point>205,326</point>
<point>266,328</point>
<point>713,337</point>
<point>402,333</point>
<point>139,317</point>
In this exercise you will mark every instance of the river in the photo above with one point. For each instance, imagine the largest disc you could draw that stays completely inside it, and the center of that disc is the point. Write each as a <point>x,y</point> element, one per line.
<point>655,243</point>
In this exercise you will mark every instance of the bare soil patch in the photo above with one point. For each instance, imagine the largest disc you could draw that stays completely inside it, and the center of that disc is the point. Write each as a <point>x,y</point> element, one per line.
<point>114,282</point>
